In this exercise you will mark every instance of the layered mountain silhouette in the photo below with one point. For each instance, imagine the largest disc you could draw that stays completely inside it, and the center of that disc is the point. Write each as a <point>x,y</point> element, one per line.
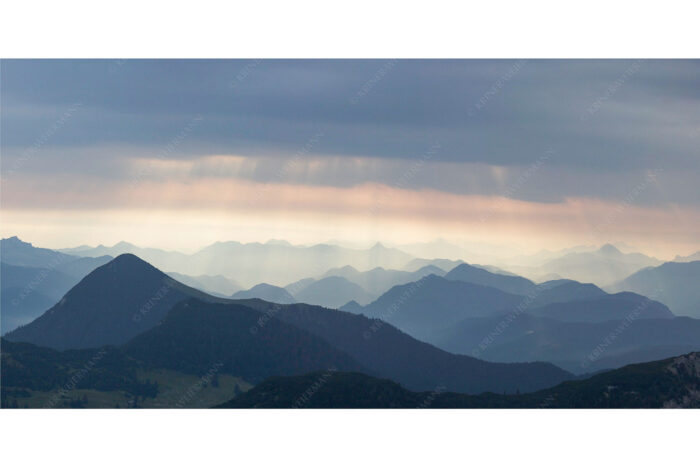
<point>216,285</point>
<point>564,290</point>
<point>577,347</point>
<point>252,263</point>
<point>33,279</point>
<point>423,307</point>
<point>606,265</point>
<point>604,308</point>
<point>554,322</point>
<point>393,354</point>
<point>682,259</point>
<point>196,335</point>
<point>442,263</point>
<point>165,260</point>
<point>267,292</point>
<point>102,309</point>
<point>28,291</point>
<point>144,321</point>
<point>339,286</point>
<point>195,338</point>
<point>508,283</point>
<point>109,306</point>
<point>378,280</point>
<point>669,383</point>
<point>18,253</point>
<point>675,284</point>
<point>332,292</point>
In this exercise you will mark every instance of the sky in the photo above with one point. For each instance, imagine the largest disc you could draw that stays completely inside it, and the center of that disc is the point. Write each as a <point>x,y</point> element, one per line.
<point>181,153</point>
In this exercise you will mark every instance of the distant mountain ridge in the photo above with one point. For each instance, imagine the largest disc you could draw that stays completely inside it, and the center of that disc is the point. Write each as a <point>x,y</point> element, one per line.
<point>604,266</point>
<point>266,292</point>
<point>511,284</point>
<point>673,283</point>
<point>391,353</point>
<point>682,259</point>
<point>579,347</point>
<point>486,321</point>
<point>18,253</point>
<point>252,263</point>
<point>421,308</point>
<point>33,279</point>
<point>338,286</point>
<point>216,285</point>
<point>28,291</point>
<point>332,292</point>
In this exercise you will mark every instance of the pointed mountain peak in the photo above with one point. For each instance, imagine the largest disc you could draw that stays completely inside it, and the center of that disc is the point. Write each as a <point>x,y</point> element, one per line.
<point>14,240</point>
<point>431,278</point>
<point>464,267</point>
<point>109,306</point>
<point>432,269</point>
<point>343,270</point>
<point>609,249</point>
<point>129,259</point>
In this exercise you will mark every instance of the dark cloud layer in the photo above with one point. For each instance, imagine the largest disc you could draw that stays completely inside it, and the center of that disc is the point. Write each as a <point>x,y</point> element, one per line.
<point>602,118</point>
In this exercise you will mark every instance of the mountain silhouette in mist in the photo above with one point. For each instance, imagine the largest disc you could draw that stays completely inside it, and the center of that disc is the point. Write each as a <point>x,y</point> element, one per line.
<point>683,259</point>
<point>444,264</point>
<point>252,263</point>
<point>579,347</point>
<point>332,292</point>
<point>109,306</point>
<point>216,285</point>
<point>604,266</point>
<point>270,293</point>
<point>511,284</point>
<point>390,353</point>
<point>27,292</point>
<point>18,253</point>
<point>609,307</point>
<point>433,303</point>
<point>564,290</point>
<point>33,279</point>
<point>675,284</point>
<point>378,280</point>
<point>100,311</point>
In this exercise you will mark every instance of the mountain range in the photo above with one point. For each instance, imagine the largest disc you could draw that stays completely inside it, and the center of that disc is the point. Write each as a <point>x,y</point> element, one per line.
<point>606,265</point>
<point>267,292</point>
<point>577,326</point>
<point>338,286</point>
<point>33,279</point>
<point>670,383</point>
<point>682,259</point>
<point>466,329</point>
<point>675,284</point>
<point>273,262</point>
<point>129,303</point>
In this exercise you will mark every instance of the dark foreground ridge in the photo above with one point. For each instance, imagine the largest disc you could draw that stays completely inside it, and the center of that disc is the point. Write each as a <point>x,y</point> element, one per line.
<point>671,383</point>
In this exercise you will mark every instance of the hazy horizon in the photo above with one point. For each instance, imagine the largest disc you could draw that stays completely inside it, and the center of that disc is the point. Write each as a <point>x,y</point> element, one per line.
<point>501,251</point>
<point>179,154</point>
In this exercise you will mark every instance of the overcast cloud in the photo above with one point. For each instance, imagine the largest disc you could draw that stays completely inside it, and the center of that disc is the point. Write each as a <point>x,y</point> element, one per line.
<point>625,132</point>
